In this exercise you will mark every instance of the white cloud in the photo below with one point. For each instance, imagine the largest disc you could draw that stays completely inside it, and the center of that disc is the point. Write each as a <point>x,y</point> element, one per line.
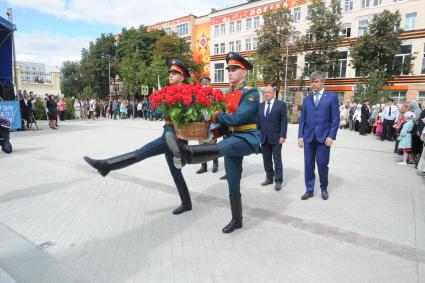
<point>124,13</point>
<point>49,49</point>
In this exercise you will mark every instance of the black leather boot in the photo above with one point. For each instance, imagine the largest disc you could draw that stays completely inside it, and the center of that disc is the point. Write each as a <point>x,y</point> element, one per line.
<point>236,222</point>
<point>215,165</point>
<point>185,198</point>
<point>104,166</point>
<point>189,154</point>
<point>203,168</point>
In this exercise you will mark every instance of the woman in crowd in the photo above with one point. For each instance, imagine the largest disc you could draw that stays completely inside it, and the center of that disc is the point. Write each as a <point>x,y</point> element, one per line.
<point>416,137</point>
<point>77,109</point>
<point>52,111</point>
<point>405,137</point>
<point>61,108</point>
<point>357,117</point>
<point>421,164</point>
<point>343,114</point>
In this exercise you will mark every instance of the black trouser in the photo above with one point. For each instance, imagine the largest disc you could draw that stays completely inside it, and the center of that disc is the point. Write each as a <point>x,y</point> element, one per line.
<point>388,130</point>
<point>363,127</point>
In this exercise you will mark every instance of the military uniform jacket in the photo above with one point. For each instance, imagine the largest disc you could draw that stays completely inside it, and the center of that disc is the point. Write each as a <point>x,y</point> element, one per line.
<point>246,114</point>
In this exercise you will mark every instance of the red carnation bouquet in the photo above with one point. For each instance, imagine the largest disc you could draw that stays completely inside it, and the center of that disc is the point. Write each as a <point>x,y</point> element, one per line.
<point>184,104</point>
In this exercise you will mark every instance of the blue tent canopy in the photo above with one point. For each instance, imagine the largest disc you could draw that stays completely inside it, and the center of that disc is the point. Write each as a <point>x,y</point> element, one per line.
<point>6,30</point>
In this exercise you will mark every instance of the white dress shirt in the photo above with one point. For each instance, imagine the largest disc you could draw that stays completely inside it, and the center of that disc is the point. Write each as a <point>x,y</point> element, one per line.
<point>267,105</point>
<point>320,96</point>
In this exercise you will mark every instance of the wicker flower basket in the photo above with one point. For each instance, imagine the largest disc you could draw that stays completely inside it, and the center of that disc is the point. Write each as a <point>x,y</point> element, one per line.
<point>193,131</point>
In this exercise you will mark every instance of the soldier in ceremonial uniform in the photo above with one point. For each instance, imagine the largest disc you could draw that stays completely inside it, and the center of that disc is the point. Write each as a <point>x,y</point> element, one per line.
<point>242,137</point>
<point>177,73</point>
<point>205,82</point>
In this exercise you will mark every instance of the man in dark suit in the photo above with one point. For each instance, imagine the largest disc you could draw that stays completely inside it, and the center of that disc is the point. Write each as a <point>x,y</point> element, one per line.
<point>318,127</point>
<point>273,124</point>
<point>364,118</point>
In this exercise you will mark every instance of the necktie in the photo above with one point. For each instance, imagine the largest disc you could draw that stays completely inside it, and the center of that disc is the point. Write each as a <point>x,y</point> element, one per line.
<point>268,110</point>
<point>316,99</point>
<point>389,112</point>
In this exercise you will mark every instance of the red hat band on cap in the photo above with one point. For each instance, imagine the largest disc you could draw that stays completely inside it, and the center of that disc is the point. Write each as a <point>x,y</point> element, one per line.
<point>177,69</point>
<point>237,63</point>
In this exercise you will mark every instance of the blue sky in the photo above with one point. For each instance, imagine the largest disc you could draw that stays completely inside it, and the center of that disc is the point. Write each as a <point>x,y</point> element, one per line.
<point>53,31</point>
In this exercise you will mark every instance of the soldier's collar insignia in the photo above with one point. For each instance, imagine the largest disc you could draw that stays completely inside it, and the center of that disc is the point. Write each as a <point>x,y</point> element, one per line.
<point>251,98</point>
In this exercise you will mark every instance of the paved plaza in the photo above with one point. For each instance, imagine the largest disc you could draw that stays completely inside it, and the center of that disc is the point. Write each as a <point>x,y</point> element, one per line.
<point>60,221</point>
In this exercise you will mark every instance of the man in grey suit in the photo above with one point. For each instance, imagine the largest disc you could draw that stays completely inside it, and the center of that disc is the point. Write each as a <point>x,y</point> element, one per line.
<point>273,124</point>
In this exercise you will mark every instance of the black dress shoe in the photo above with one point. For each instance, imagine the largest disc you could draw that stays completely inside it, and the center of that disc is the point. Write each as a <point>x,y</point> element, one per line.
<point>267,182</point>
<point>182,208</point>
<point>223,177</point>
<point>307,195</point>
<point>278,186</point>
<point>325,195</point>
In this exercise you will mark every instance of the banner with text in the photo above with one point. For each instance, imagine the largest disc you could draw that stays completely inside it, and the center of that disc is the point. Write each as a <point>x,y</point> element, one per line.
<point>10,110</point>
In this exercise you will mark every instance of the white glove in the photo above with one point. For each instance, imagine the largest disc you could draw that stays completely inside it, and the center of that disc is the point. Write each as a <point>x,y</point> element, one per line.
<point>207,117</point>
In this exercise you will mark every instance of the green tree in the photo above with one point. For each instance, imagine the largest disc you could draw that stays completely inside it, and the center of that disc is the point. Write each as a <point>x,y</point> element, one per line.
<point>323,38</point>
<point>69,109</point>
<point>71,83</point>
<point>171,47</point>
<point>88,93</point>
<point>270,57</point>
<point>95,64</point>
<point>132,69</point>
<point>157,69</point>
<point>40,114</point>
<point>374,55</point>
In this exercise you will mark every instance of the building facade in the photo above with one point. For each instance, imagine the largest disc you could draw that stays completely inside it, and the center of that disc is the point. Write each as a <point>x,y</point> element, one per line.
<point>33,77</point>
<point>234,29</point>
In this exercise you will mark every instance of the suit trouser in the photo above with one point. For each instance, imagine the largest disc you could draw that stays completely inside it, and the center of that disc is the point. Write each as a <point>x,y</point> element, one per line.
<point>316,152</point>
<point>388,130</point>
<point>234,149</point>
<point>157,147</point>
<point>273,151</point>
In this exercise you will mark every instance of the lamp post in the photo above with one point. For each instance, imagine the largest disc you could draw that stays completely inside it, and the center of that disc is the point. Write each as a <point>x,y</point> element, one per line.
<point>286,67</point>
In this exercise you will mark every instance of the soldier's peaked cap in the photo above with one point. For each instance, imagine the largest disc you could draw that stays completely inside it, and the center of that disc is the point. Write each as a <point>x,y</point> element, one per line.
<point>176,65</point>
<point>237,60</point>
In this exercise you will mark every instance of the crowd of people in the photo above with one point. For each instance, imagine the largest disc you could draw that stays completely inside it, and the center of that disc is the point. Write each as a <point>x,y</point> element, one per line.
<point>120,108</point>
<point>405,125</point>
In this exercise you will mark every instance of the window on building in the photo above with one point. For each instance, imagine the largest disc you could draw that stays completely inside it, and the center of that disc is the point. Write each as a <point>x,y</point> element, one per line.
<point>216,30</point>
<point>292,67</point>
<point>365,3</point>
<point>307,64</point>
<point>239,26</point>
<point>290,97</point>
<point>348,5</point>
<point>219,72</point>
<point>340,95</point>
<point>254,43</point>
<point>410,22</point>
<point>167,31</point>
<point>248,25</point>
<point>231,27</point>
<point>377,2</point>
<point>340,65</point>
<point>309,9</point>
<point>402,57</point>
<point>421,96</point>
<point>423,62</point>
<point>398,96</point>
<point>295,36</point>
<point>231,46</point>
<point>346,31</point>
<point>216,49</point>
<point>362,27</point>
<point>297,14</point>
<point>222,48</point>
<point>223,28</point>
<point>308,35</point>
<point>256,22</point>
<point>248,44</point>
<point>238,45</point>
<point>183,30</point>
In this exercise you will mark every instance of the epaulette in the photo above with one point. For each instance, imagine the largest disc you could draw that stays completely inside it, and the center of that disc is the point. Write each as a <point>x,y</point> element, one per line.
<point>247,87</point>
